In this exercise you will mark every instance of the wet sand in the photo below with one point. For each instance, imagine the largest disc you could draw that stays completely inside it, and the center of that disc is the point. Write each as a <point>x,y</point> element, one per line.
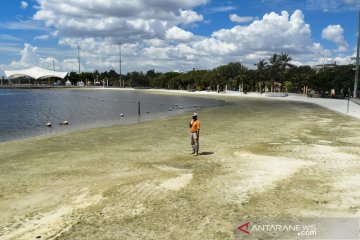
<point>260,158</point>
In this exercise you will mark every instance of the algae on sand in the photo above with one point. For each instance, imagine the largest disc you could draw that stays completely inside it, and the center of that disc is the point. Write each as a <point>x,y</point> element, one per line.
<point>108,183</point>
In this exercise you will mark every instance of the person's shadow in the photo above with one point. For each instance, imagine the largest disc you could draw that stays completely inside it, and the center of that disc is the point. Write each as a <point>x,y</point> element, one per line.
<point>206,153</point>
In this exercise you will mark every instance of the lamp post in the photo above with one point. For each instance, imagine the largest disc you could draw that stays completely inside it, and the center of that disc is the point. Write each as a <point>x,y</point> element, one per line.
<point>357,62</point>
<point>323,65</point>
<point>79,58</point>
<point>240,82</point>
<point>120,65</point>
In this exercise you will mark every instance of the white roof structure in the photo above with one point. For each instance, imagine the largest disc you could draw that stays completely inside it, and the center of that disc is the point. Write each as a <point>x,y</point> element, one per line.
<point>35,72</point>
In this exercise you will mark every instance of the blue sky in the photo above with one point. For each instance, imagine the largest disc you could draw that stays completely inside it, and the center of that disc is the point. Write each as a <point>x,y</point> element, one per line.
<point>174,34</point>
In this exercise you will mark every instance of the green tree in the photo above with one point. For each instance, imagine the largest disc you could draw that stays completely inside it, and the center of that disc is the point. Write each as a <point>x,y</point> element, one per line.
<point>284,61</point>
<point>113,78</point>
<point>274,65</point>
<point>300,77</point>
<point>261,67</point>
<point>73,78</point>
<point>152,77</point>
<point>226,73</point>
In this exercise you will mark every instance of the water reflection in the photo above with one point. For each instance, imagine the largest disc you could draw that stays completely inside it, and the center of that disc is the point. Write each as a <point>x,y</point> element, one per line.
<point>26,112</point>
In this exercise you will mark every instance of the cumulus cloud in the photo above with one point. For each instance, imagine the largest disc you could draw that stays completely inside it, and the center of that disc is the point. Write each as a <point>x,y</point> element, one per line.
<point>274,33</point>
<point>335,33</point>
<point>176,33</point>
<point>214,47</point>
<point>124,20</point>
<point>157,35</point>
<point>30,57</point>
<point>238,19</point>
<point>189,16</point>
<point>23,5</point>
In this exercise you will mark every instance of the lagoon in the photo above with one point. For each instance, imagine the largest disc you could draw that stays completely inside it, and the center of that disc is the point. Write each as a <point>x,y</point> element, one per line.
<point>25,113</point>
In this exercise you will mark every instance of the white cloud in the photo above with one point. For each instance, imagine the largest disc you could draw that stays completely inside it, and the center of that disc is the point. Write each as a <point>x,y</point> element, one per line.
<point>23,25</point>
<point>334,5</point>
<point>176,33</point>
<point>29,58</point>
<point>189,16</point>
<point>23,5</point>
<point>29,55</point>
<point>157,36</point>
<point>124,20</point>
<point>9,37</point>
<point>343,60</point>
<point>9,48</point>
<point>42,37</point>
<point>239,19</point>
<point>214,47</point>
<point>273,33</point>
<point>49,63</point>
<point>221,9</point>
<point>146,30</point>
<point>156,42</point>
<point>335,33</point>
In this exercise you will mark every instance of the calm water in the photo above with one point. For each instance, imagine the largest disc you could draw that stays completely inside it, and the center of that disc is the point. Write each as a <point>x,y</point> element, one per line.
<point>25,113</point>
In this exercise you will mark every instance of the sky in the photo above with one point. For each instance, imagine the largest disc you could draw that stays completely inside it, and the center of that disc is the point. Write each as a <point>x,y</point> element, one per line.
<point>173,35</point>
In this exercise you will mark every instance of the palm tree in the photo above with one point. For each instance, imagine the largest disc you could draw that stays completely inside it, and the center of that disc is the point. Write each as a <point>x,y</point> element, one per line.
<point>261,65</point>
<point>275,64</point>
<point>285,60</point>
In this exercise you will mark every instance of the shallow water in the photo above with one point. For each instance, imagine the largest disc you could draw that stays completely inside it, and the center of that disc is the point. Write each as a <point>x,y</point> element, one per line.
<point>25,113</point>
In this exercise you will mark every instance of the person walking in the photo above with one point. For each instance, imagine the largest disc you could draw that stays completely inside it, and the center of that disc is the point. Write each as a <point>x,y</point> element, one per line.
<point>195,133</point>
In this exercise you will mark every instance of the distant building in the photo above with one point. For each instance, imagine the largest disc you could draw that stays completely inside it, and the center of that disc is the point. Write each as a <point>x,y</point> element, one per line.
<point>35,72</point>
<point>324,66</point>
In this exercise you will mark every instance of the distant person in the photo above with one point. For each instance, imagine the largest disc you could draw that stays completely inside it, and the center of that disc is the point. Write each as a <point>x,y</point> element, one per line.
<point>195,133</point>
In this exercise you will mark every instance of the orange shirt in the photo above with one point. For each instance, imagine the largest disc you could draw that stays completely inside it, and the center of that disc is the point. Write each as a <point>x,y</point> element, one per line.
<point>195,125</point>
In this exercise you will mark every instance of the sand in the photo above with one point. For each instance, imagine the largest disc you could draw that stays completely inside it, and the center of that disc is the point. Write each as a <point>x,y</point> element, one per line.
<point>343,106</point>
<point>260,158</point>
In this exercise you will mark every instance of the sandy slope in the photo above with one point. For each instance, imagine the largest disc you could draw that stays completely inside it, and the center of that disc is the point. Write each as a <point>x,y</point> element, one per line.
<point>260,159</point>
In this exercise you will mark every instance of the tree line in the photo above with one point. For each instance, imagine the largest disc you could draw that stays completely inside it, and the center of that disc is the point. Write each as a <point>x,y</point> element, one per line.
<point>275,74</point>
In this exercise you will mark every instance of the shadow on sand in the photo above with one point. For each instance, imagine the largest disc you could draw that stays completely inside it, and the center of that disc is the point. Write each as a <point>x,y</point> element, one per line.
<point>206,153</point>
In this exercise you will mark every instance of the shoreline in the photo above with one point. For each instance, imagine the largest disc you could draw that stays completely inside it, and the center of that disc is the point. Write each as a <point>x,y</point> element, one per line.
<point>129,116</point>
<point>336,105</point>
